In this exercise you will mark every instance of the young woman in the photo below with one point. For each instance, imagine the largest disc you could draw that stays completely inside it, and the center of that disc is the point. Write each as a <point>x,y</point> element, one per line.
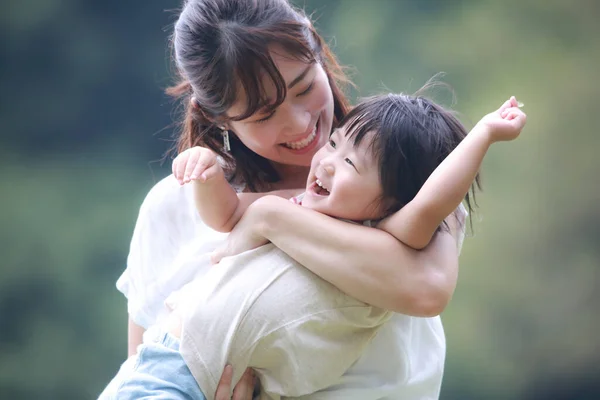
<point>257,73</point>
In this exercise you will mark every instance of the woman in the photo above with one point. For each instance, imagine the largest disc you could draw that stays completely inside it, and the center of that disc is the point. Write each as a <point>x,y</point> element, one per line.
<point>256,75</point>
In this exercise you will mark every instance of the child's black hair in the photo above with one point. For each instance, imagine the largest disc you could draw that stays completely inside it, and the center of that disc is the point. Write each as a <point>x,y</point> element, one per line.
<point>412,136</point>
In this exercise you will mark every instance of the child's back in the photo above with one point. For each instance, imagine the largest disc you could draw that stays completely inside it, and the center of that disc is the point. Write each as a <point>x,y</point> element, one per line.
<point>261,309</point>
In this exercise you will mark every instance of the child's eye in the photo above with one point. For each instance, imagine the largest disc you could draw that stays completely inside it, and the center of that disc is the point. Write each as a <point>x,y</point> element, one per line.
<point>332,143</point>
<point>349,162</point>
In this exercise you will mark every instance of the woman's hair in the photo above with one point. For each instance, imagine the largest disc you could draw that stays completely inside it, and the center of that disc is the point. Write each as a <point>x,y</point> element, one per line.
<point>411,137</point>
<point>221,47</point>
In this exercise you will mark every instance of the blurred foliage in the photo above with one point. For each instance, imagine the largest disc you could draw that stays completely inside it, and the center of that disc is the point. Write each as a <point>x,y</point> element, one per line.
<point>84,125</point>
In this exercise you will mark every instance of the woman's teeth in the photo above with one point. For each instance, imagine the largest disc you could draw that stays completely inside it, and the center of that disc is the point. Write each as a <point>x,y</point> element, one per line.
<point>300,144</point>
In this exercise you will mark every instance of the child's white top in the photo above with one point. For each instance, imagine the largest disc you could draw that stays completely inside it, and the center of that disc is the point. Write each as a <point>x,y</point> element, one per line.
<point>261,309</point>
<point>404,361</point>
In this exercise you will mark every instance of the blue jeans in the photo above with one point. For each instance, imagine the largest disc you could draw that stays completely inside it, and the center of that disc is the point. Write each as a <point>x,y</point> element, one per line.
<point>157,372</point>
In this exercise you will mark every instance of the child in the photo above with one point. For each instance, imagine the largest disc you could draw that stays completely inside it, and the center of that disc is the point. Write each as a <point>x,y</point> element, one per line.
<point>263,310</point>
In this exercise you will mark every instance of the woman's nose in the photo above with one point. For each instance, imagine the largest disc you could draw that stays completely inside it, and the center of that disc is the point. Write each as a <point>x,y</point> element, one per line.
<point>298,122</point>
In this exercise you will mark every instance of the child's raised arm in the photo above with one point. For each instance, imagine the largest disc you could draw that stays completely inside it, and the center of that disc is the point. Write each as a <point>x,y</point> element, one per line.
<point>444,190</point>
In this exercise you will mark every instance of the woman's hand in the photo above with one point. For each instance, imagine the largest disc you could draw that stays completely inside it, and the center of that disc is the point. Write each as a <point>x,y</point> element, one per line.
<point>242,391</point>
<point>246,235</point>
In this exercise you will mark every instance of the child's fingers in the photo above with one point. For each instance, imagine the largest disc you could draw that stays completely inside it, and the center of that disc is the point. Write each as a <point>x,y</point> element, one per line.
<point>209,172</point>
<point>511,110</point>
<point>201,166</point>
<point>174,167</point>
<point>507,104</point>
<point>520,117</point>
<point>198,170</point>
<point>512,102</point>
<point>179,169</point>
<point>192,162</point>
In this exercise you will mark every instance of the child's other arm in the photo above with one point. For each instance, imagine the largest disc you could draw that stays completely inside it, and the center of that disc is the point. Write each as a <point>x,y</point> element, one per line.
<point>444,190</point>
<point>215,199</point>
<point>218,204</point>
<point>245,199</point>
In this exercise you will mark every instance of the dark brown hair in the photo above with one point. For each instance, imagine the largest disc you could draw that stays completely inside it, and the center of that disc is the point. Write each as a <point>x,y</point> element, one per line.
<point>221,47</point>
<point>412,136</point>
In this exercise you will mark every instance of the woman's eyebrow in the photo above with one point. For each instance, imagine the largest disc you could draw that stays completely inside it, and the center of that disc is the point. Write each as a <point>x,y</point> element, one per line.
<point>297,79</point>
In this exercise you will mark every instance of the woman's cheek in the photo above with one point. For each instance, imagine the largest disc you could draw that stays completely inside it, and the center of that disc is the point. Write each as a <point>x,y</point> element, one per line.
<point>323,95</point>
<point>258,139</point>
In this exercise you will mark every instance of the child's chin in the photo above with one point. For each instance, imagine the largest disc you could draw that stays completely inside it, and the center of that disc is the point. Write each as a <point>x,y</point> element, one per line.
<point>315,207</point>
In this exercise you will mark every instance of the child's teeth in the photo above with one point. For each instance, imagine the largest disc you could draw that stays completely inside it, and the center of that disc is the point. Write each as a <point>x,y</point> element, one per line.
<point>304,142</point>
<point>321,184</point>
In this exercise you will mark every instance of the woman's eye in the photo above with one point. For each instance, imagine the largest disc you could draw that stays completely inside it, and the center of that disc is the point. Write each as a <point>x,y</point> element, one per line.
<point>265,119</point>
<point>307,90</point>
<point>349,161</point>
<point>332,143</point>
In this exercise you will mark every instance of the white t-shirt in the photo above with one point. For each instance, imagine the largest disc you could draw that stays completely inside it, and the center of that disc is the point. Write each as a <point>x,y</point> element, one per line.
<point>261,309</point>
<point>404,360</point>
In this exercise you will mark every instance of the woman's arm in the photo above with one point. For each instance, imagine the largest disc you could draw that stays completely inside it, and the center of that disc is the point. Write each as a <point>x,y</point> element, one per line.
<point>364,262</point>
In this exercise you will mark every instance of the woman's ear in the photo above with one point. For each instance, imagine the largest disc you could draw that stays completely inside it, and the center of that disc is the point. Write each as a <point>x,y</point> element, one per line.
<point>196,106</point>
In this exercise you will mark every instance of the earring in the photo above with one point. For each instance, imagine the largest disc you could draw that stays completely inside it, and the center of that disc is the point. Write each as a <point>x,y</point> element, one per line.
<point>226,144</point>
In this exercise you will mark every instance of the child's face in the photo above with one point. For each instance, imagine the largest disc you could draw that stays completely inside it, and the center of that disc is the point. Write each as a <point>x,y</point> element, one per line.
<point>344,180</point>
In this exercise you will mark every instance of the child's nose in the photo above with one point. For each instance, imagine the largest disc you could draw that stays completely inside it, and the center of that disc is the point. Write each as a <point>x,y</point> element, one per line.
<point>328,168</point>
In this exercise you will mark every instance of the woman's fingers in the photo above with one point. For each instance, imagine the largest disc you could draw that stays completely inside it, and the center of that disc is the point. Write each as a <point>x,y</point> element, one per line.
<point>242,391</point>
<point>244,388</point>
<point>224,387</point>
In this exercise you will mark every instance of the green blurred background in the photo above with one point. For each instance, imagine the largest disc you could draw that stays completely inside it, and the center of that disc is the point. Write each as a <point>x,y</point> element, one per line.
<point>84,125</point>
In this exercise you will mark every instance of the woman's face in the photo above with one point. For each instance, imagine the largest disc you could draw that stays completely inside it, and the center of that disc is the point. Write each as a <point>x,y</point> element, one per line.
<point>292,133</point>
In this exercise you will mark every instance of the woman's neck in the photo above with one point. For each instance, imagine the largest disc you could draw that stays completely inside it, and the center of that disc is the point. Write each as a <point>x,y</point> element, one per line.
<point>292,176</point>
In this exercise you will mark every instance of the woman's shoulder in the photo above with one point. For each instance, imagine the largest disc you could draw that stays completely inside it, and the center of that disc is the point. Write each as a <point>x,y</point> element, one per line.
<point>166,196</point>
<point>167,189</point>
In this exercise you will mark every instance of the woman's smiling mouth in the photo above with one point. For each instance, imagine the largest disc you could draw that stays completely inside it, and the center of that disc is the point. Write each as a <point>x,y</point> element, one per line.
<point>307,143</point>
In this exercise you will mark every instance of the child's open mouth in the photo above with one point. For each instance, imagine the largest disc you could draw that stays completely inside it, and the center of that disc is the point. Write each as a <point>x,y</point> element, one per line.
<point>319,189</point>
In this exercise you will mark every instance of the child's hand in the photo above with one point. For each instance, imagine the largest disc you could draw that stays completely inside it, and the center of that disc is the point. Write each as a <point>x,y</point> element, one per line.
<point>505,123</point>
<point>197,163</point>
